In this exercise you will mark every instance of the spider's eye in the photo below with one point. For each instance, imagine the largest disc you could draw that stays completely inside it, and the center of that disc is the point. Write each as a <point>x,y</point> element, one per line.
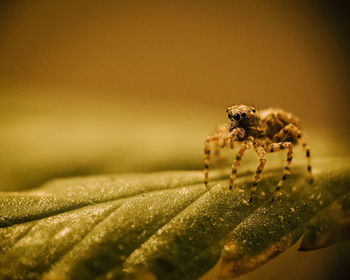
<point>243,115</point>
<point>236,116</point>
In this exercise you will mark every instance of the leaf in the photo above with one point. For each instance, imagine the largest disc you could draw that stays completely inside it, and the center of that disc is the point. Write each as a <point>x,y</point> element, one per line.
<point>330,226</point>
<point>273,228</point>
<point>165,224</point>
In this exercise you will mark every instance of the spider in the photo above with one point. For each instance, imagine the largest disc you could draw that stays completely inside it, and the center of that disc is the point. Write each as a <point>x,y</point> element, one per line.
<point>267,131</point>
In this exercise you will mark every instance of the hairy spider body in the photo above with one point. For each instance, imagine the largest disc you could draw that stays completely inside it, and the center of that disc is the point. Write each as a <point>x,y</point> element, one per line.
<point>267,131</point>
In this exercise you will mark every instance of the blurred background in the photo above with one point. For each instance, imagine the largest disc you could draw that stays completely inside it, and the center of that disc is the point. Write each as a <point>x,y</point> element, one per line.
<point>91,87</point>
<point>129,86</point>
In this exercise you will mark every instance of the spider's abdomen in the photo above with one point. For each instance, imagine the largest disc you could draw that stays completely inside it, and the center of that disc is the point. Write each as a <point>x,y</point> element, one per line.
<point>274,122</point>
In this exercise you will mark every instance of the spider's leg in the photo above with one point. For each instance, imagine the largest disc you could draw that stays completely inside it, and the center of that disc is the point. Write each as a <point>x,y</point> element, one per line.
<point>217,153</point>
<point>220,144</point>
<point>262,157</point>
<point>207,156</point>
<point>275,147</point>
<point>220,138</point>
<point>308,157</point>
<point>296,132</point>
<point>237,161</point>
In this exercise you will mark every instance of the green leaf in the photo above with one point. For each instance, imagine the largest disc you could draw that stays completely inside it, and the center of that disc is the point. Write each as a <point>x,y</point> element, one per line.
<point>166,224</point>
<point>273,228</point>
<point>330,226</point>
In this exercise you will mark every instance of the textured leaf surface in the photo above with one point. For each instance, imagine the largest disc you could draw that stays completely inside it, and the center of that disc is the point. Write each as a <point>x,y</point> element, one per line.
<point>273,228</point>
<point>330,226</point>
<point>167,224</point>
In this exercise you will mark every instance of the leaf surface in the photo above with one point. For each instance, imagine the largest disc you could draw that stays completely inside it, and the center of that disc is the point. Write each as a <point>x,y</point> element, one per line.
<point>166,224</point>
<point>330,226</point>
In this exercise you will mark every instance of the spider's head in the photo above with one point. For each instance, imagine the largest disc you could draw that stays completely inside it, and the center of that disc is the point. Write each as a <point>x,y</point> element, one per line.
<point>242,116</point>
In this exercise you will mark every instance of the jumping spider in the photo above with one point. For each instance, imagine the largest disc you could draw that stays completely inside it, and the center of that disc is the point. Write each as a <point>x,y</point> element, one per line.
<point>267,131</point>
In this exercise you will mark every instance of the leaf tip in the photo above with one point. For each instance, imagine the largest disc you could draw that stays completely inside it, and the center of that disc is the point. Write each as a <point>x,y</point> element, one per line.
<point>235,262</point>
<point>231,260</point>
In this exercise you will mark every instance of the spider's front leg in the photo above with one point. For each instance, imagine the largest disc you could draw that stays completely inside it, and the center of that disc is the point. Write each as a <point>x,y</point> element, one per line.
<point>260,151</point>
<point>222,133</point>
<point>207,156</point>
<point>216,139</point>
<point>218,146</point>
<point>245,146</point>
